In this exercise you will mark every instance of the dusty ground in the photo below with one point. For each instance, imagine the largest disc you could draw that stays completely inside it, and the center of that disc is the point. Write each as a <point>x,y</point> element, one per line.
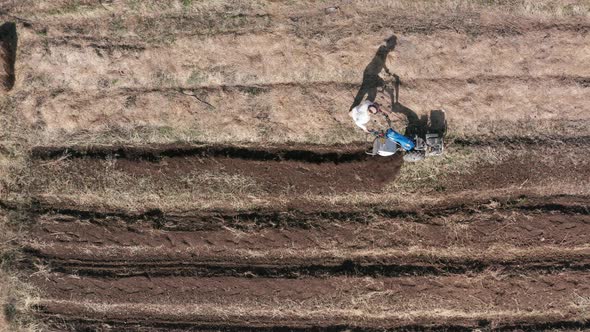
<point>189,165</point>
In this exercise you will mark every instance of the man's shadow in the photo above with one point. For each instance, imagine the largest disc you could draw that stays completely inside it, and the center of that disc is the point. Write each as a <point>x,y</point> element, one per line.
<point>371,79</point>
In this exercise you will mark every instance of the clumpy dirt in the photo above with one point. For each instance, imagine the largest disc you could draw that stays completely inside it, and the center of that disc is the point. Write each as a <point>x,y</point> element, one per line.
<point>530,168</point>
<point>151,300</point>
<point>458,264</point>
<point>296,152</point>
<point>368,173</point>
<point>284,169</point>
<point>114,246</point>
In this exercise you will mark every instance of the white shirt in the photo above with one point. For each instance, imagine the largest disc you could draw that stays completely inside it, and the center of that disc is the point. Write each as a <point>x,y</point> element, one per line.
<point>360,114</point>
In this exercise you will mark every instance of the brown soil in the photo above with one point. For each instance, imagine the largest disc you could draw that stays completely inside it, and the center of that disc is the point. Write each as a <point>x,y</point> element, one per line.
<point>259,152</point>
<point>470,301</point>
<point>285,176</point>
<point>535,167</point>
<point>133,236</point>
<point>460,263</point>
<point>282,169</point>
<point>376,245</point>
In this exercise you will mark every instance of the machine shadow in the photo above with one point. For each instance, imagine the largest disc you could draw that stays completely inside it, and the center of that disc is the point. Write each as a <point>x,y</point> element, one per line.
<point>417,126</point>
<point>8,44</point>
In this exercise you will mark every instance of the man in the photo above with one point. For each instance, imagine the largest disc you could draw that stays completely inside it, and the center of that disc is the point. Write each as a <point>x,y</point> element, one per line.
<point>361,115</point>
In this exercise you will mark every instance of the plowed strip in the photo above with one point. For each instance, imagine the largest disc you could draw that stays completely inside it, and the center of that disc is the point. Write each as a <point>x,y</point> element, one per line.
<point>303,216</point>
<point>450,243</point>
<point>488,299</point>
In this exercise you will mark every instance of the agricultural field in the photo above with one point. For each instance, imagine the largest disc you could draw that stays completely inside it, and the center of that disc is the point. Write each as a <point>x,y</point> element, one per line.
<point>191,165</point>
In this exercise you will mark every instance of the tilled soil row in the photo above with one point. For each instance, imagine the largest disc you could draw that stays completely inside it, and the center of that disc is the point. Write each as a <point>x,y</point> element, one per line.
<point>238,170</point>
<point>517,236</point>
<point>299,215</point>
<point>339,153</point>
<point>465,301</point>
<point>576,259</point>
<point>289,171</point>
<point>281,152</point>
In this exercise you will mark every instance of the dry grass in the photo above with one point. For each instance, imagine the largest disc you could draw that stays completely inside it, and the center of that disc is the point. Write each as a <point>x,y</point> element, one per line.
<point>544,8</point>
<point>105,186</point>
<point>483,111</point>
<point>431,173</point>
<point>75,89</point>
<point>17,297</point>
<point>14,143</point>
<point>18,300</point>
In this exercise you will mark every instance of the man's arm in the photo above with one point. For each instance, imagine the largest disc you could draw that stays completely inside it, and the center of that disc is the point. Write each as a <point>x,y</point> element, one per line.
<point>364,128</point>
